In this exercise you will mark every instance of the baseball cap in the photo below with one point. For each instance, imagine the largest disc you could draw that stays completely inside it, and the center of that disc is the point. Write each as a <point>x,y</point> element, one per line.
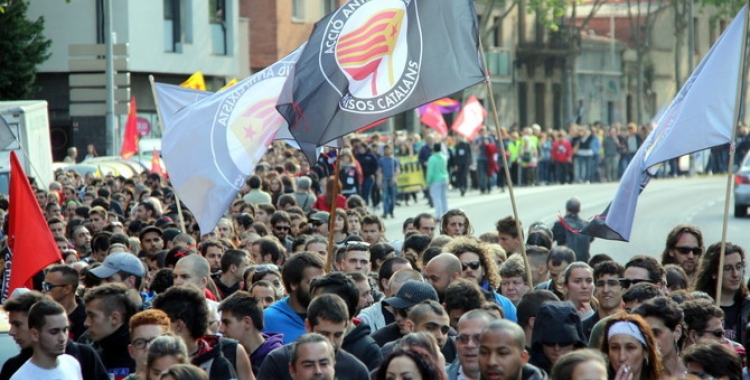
<point>412,293</point>
<point>320,216</point>
<point>165,221</point>
<point>148,229</point>
<point>119,261</point>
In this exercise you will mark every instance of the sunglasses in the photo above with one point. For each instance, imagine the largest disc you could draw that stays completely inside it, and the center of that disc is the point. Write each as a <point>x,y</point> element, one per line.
<point>281,228</point>
<point>47,286</point>
<point>685,250</point>
<point>474,265</point>
<point>719,333</point>
<point>611,283</point>
<point>626,282</point>
<point>465,339</point>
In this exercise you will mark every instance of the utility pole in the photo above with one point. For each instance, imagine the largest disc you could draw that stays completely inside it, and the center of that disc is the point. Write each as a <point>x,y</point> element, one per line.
<point>110,74</point>
<point>690,62</point>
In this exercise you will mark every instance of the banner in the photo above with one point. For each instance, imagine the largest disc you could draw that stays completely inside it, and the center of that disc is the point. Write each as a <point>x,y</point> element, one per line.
<point>372,59</point>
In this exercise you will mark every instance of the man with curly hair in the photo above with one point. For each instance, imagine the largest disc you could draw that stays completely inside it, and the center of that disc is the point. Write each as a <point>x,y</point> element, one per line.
<point>479,266</point>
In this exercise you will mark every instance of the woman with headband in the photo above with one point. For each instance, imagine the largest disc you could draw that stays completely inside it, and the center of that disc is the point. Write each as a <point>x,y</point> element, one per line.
<point>631,348</point>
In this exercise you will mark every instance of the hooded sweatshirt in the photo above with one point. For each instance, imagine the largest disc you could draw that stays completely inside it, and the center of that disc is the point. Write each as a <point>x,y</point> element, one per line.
<point>273,341</point>
<point>280,318</point>
<point>211,360</point>
<point>556,322</point>
<point>359,343</point>
<point>113,350</point>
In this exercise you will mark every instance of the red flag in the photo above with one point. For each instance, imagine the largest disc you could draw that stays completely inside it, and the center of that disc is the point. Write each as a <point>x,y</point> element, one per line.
<point>434,119</point>
<point>30,241</point>
<point>470,119</point>
<point>156,163</point>
<point>130,140</point>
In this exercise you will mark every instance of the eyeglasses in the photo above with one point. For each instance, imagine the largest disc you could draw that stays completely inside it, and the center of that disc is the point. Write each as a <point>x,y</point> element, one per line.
<point>281,228</point>
<point>739,268</point>
<point>474,265</point>
<point>701,375</point>
<point>143,343</point>
<point>685,250</point>
<point>611,283</point>
<point>626,282</point>
<point>48,287</point>
<point>465,339</point>
<point>719,333</point>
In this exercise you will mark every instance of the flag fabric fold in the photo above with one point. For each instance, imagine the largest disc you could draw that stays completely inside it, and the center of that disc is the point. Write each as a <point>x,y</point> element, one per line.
<point>212,144</point>
<point>130,139</point>
<point>372,59</point>
<point>434,119</point>
<point>195,81</point>
<point>701,116</point>
<point>31,246</point>
<point>172,98</point>
<point>470,119</point>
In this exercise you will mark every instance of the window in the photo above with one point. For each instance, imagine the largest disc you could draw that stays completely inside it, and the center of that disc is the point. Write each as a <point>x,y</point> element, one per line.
<point>298,10</point>
<point>328,6</point>
<point>217,14</point>
<point>498,32</point>
<point>172,27</point>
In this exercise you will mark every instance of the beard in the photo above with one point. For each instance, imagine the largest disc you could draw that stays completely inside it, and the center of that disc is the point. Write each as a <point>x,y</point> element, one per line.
<point>303,297</point>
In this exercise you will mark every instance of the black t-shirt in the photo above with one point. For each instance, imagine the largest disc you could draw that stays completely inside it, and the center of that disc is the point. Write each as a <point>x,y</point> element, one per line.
<point>731,314</point>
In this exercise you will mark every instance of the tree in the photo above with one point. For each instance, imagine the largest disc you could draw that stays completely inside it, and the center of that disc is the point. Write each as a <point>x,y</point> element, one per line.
<point>24,47</point>
<point>642,17</point>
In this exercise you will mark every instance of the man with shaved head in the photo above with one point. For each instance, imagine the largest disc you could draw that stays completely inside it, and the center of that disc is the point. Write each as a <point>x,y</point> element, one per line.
<point>502,353</point>
<point>441,271</point>
<point>193,270</point>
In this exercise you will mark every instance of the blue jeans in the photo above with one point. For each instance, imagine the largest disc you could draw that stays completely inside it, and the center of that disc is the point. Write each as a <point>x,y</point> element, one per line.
<point>439,193</point>
<point>389,196</point>
<point>582,166</point>
<point>366,188</point>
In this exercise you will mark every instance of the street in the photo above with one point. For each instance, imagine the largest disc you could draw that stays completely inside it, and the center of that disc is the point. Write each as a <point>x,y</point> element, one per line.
<point>663,204</point>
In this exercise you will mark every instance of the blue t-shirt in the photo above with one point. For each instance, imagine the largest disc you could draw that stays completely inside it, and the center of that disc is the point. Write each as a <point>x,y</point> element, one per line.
<point>388,166</point>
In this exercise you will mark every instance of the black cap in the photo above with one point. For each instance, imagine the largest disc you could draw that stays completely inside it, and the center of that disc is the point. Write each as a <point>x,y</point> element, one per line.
<point>412,293</point>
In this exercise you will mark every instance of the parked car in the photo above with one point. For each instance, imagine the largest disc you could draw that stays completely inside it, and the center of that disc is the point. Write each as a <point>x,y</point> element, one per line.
<point>742,188</point>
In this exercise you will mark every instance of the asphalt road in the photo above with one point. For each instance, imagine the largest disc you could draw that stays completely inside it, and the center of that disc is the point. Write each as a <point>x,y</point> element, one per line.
<point>663,204</point>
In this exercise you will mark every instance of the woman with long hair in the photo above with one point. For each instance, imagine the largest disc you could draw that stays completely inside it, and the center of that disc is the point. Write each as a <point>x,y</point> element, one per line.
<point>277,188</point>
<point>579,287</point>
<point>734,293</point>
<point>349,173</point>
<point>406,364</point>
<point>340,227</point>
<point>630,345</point>
<point>325,200</point>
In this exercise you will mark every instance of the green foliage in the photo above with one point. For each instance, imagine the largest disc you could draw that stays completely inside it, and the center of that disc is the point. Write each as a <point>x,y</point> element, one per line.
<point>24,47</point>
<point>725,8</point>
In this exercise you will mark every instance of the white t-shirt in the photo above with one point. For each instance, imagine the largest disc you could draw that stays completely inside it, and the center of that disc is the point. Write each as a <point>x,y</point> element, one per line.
<point>68,368</point>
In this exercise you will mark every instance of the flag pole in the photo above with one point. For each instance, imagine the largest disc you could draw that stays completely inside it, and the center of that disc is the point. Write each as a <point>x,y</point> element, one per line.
<point>161,128</point>
<point>728,191</point>
<point>511,192</point>
<point>332,216</point>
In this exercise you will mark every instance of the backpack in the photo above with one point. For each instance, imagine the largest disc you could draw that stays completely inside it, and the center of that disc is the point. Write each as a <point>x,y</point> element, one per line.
<point>576,240</point>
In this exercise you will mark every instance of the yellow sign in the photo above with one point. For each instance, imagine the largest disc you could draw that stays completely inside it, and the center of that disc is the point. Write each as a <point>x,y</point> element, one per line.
<point>411,178</point>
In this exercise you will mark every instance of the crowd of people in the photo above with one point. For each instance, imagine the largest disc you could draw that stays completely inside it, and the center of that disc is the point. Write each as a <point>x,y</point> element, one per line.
<point>142,293</point>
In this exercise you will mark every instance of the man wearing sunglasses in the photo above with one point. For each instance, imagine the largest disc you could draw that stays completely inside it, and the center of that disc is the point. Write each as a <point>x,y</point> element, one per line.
<point>281,224</point>
<point>703,322</point>
<point>477,265</point>
<point>60,284</point>
<point>470,328</point>
<point>642,268</point>
<point>684,248</point>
